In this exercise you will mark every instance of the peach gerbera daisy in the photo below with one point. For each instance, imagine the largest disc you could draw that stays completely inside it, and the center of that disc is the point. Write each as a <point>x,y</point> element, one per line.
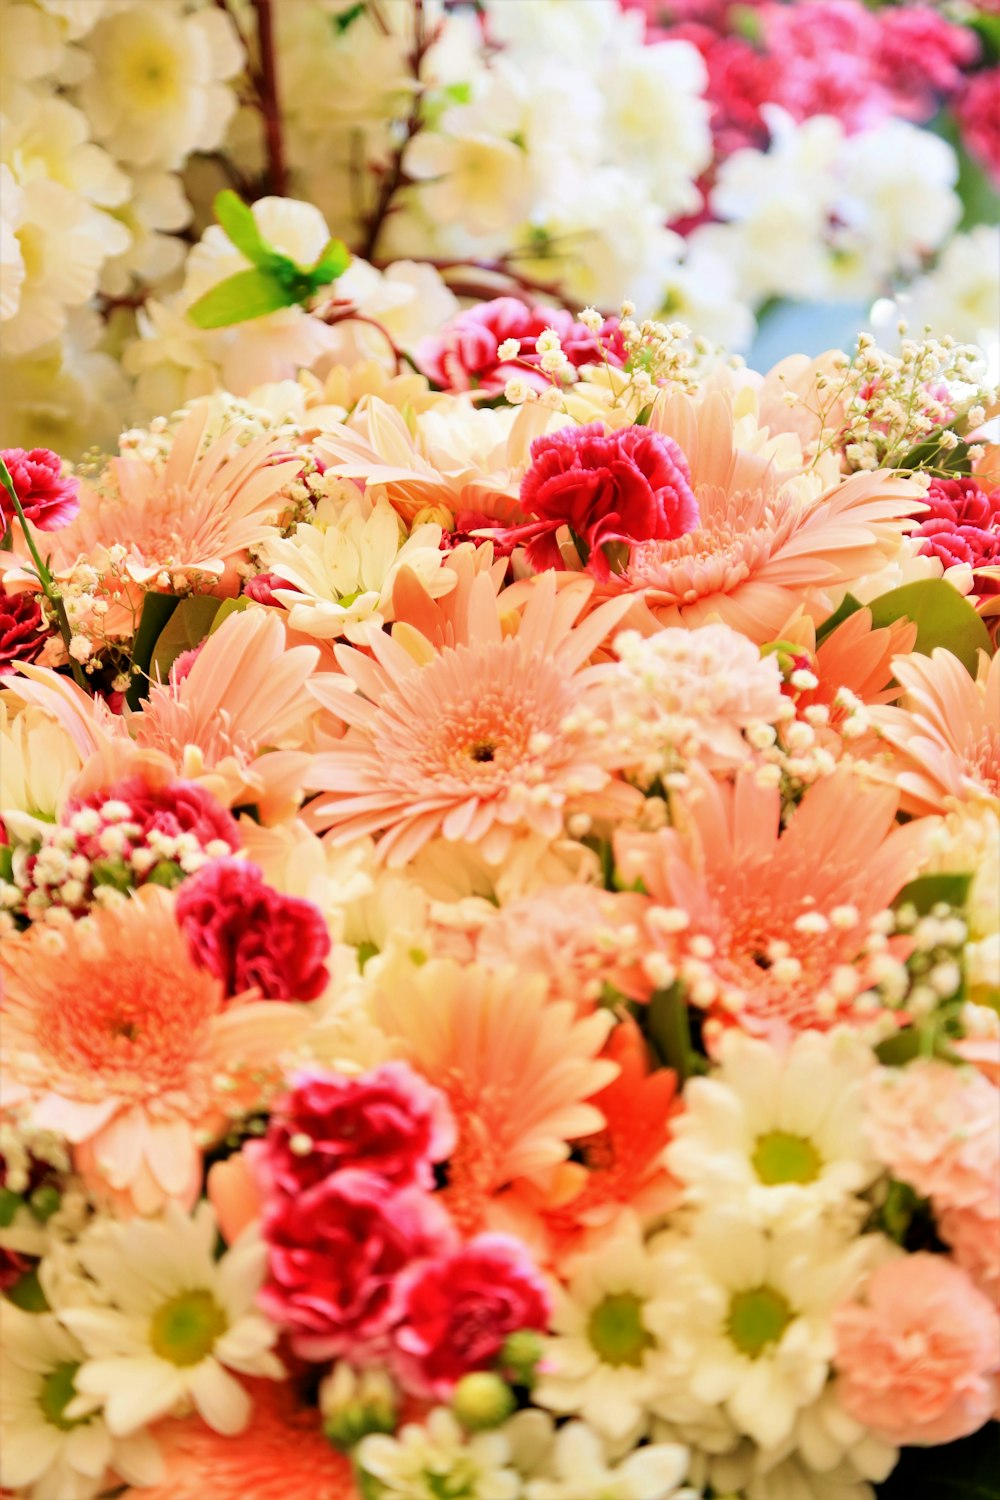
<point>517,1068</point>
<point>282,1455</point>
<point>766,927</point>
<point>764,541</point>
<point>455,455</point>
<point>853,656</point>
<point>114,1040</point>
<point>192,519</point>
<point>946,734</point>
<point>475,741</point>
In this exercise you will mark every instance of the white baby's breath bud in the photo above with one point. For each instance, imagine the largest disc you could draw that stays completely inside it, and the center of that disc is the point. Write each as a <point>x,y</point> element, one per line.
<point>517,391</point>
<point>509,349</point>
<point>80,648</point>
<point>591,318</point>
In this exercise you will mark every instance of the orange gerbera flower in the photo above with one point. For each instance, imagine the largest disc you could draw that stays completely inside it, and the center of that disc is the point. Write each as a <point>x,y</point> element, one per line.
<point>473,741</point>
<point>192,519</point>
<point>282,1455</point>
<point>853,656</point>
<point>762,545</point>
<point>118,1043</point>
<point>946,734</point>
<point>766,928</point>
<point>517,1067</point>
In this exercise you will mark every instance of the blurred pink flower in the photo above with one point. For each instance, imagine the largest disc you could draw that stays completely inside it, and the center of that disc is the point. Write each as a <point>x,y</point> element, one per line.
<point>978,114</point>
<point>464,355</point>
<point>48,500</point>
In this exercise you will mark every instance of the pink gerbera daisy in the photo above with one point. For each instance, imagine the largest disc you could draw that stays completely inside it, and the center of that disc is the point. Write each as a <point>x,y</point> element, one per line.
<point>767,928</point>
<point>115,1040</point>
<point>190,520</point>
<point>473,741</point>
<point>946,736</point>
<point>761,548</point>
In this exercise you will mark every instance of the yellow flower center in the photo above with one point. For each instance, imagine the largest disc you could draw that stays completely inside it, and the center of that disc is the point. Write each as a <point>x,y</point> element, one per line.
<point>56,1392</point>
<point>617,1332</point>
<point>781,1157</point>
<point>757,1318</point>
<point>184,1330</point>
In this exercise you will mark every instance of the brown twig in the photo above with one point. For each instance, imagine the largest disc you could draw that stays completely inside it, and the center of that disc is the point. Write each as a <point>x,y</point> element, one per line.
<point>339,310</point>
<point>270,108</point>
<point>394,176</point>
<point>503,267</point>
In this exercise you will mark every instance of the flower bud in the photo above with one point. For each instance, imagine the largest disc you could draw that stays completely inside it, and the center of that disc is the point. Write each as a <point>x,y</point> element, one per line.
<point>353,1405</point>
<point>520,1355</point>
<point>482,1400</point>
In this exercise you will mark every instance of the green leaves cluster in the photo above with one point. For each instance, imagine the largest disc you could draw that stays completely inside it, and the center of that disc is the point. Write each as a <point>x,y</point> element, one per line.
<point>941,615</point>
<point>274,280</point>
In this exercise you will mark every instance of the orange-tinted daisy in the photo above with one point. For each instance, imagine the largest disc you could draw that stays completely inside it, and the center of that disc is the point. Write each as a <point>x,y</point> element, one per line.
<point>762,544</point>
<point>765,926</point>
<point>517,1067</point>
<point>190,520</point>
<point>853,656</point>
<point>946,734</point>
<point>114,1040</point>
<point>282,1455</point>
<point>473,741</point>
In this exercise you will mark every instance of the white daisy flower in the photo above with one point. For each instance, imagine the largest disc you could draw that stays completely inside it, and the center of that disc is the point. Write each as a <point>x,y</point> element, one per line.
<point>746,1316</point>
<point>177,1321</point>
<point>54,1441</point>
<point>427,1460</point>
<point>605,1359</point>
<point>343,563</point>
<point>780,1136</point>
<point>572,1463</point>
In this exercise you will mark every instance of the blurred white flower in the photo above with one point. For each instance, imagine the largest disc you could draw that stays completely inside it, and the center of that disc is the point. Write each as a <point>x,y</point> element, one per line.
<point>658,121</point>
<point>44,138</point>
<point>12,270</point>
<point>156,208</point>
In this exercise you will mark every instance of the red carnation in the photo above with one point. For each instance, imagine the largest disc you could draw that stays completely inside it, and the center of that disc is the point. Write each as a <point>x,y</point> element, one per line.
<point>251,936</point>
<point>390,1122</point>
<point>962,525</point>
<point>336,1255</point>
<point>457,1312</point>
<point>23,632</point>
<point>628,486</point>
<point>48,500</point>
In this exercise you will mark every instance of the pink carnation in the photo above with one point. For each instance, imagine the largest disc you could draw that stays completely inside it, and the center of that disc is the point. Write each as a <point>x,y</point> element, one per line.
<point>465,355</point>
<point>456,1312</point>
<point>824,54</point>
<point>962,525</point>
<point>921,56</point>
<point>251,936</point>
<point>390,1122</point>
<point>974,1237</point>
<point>978,114</point>
<point>628,486</point>
<point>23,631</point>
<point>918,1360</point>
<point>937,1127</point>
<point>336,1255</point>
<point>48,500</point>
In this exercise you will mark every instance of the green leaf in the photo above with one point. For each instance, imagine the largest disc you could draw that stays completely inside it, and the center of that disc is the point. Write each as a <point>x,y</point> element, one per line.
<point>27,1294</point>
<point>9,1205</point>
<point>240,298</point>
<point>333,262</point>
<point>669,1028</point>
<point>930,455</point>
<point>967,1470</point>
<point>988,27</point>
<point>229,607</point>
<point>980,201</point>
<point>236,218</point>
<point>927,891</point>
<point>187,627</point>
<point>156,611</point>
<point>848,606</point>
<point>942,618</point>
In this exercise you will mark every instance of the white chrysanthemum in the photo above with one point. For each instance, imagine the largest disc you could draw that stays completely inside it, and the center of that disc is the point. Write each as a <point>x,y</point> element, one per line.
<point>156,209</point>
<point>572,1463</point>
<point>470,175</point>
<point>158,90</point>
<point>12,270</point>
<point>64,241</point>
<point>38,760</point>
<point>177,1321</point>
<point>54,1442</point>
<point>436,1457</point>
<point>47,138</point>
<point>34,44</point>
<point>342,564</point>
<point>77,19</point>
<point>780,1136</point>
<point>67,396</point>
<point>658,121</point>
<point>746,1316</point>
<point>606,1356</point>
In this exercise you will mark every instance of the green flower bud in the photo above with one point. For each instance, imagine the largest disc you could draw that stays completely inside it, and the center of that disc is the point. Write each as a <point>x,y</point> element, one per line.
<point>482,1400</point>
<point>354,1405</point>
<point>44,1201</point>
<point>114,872</point>
<point>520,1355</point>
<point>168,872</point>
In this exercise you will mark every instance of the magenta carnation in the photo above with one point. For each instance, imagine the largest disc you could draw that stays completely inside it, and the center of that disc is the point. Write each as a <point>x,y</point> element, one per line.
<point>23,632</point>
<point>921,56</point>
<point>629,486</point>
<point>465,355</point>
<point>48,500</point>
<point>457,1311</point>
<point>978,116</point>
<point>251,936</point>
<point>336,1255</point>
<point>390,1122</point>
<point>962,525</point>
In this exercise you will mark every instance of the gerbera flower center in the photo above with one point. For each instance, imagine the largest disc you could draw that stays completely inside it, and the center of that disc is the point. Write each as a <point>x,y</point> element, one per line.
<point>184,1330</point>
<point>616,1330</point>
<point>56,1392</point>
<point>782,1157</point>
<point>757,1318</point>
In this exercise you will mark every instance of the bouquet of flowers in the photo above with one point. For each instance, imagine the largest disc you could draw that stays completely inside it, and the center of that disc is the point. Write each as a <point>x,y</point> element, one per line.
<point>501,959</point>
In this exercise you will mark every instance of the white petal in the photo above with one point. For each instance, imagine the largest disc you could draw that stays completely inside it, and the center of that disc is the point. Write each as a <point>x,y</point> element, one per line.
<point>221,1400</point>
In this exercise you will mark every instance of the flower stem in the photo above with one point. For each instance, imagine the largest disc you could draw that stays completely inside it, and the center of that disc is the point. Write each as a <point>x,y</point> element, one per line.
<point>394,176</point>
<point>266,81</point>
<point>44,576</point>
